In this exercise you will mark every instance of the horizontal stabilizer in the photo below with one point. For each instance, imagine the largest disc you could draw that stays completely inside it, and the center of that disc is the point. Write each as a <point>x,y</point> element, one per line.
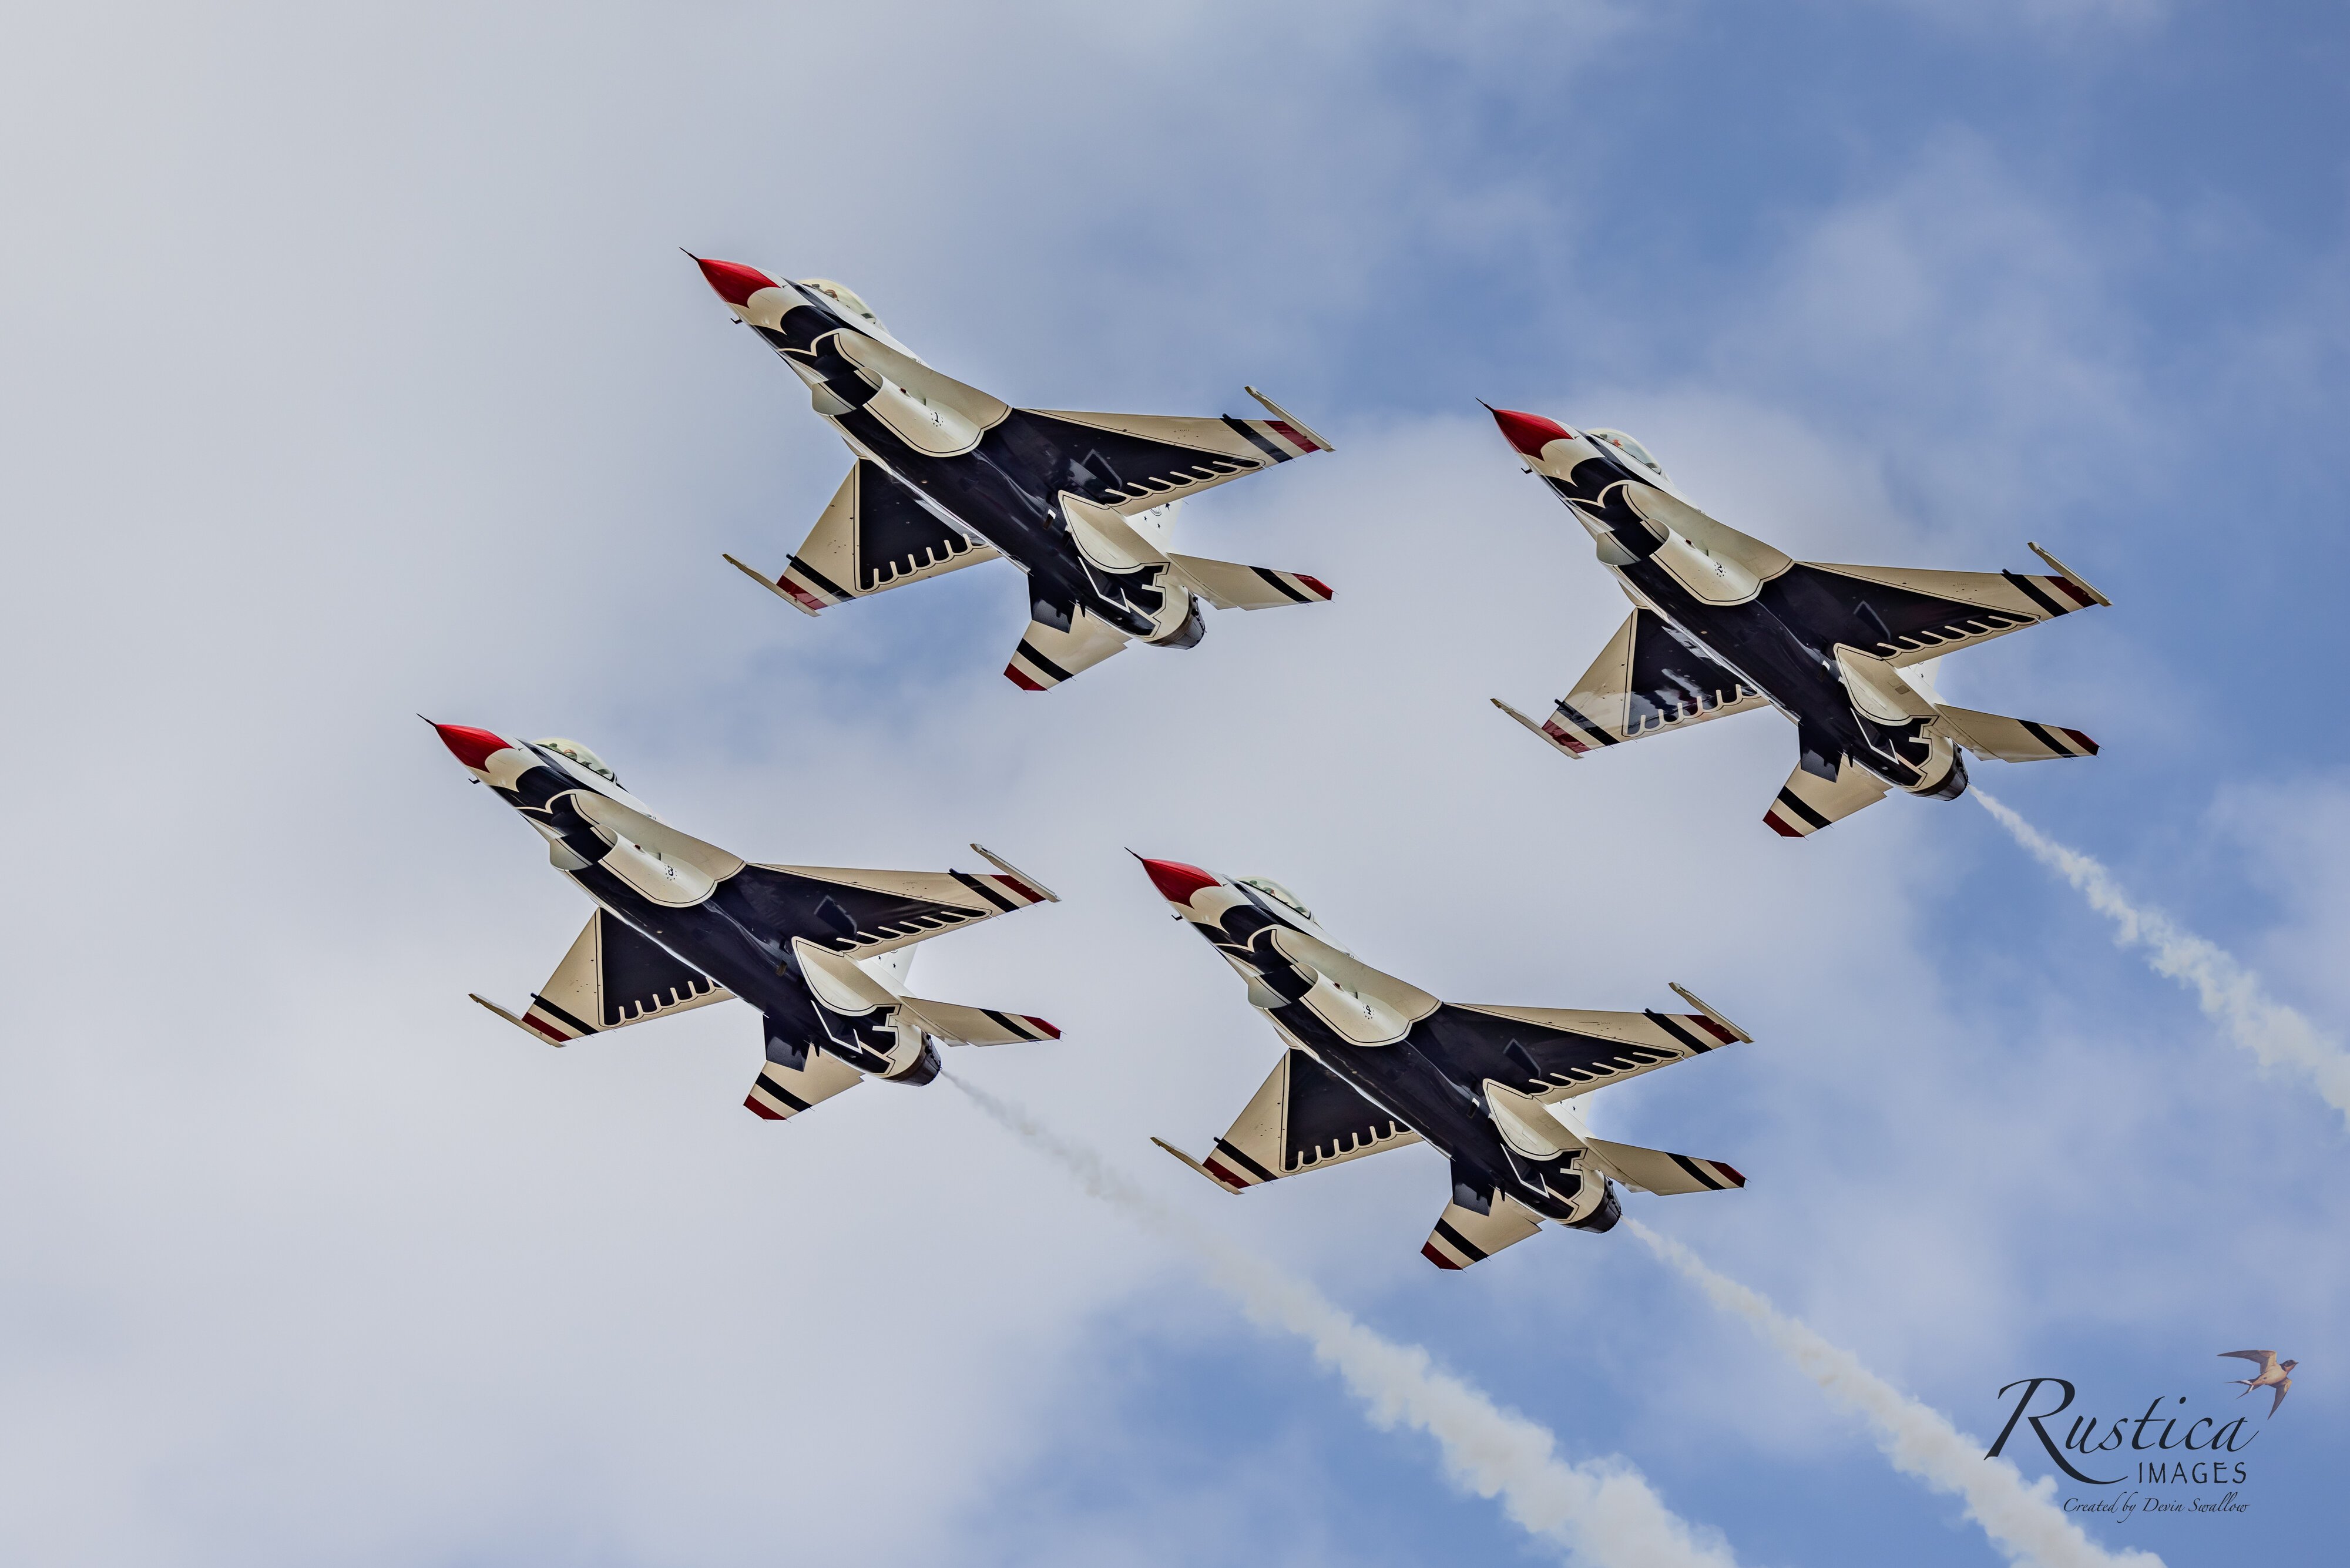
<point>613,976</point>
<point>1227,585</point>
<point>1654,1170</point>
<point>782,1091</point>
<point>1808,803</point>
<point>1462,1236</point>
<point>961,1025</point>
<point>2014,739</point>
<point>1047,657</point>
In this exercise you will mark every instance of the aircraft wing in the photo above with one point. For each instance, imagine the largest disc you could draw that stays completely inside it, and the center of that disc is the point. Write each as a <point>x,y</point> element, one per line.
<point>861,913</point>
<point>1905,616</point>
<point>1556,1053</point>
<point>1303,1118</point>
<point>875,535</point>
<point>1134,463</point>
<point>1644,681</point>
<point>613,976</point>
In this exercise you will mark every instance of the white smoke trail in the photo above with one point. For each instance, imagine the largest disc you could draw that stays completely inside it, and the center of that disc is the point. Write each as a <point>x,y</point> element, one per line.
<point>2230,995</point>
<point>2022,1520</point>
<point>1603,1511</point>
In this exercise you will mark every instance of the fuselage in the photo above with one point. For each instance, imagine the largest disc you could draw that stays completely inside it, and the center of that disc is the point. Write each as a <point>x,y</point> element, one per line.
<point>712,923</point>
<point>1431,1077</point>
<point>1775,629</point>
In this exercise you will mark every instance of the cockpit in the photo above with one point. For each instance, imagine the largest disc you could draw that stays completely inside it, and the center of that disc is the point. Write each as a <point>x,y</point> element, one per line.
<point>1630,449</point>
<point>840,293</point>
<point>1278,894</point>
<point>580,754</point>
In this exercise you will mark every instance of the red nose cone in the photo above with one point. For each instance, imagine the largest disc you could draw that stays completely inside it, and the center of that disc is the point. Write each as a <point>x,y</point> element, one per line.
<point>1176,881</point>
<point>735,284</point>
<point>471,746</point>
<point>1530,433</point>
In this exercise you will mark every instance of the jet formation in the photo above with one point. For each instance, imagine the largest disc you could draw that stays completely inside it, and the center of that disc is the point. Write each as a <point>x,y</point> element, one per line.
<point>1374,1063</point>
<point>947,476</point>
<point>1723,623</point>
<point>823,954</point>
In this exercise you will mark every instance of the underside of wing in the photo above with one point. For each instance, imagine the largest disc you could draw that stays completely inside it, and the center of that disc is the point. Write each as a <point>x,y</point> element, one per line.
<point>1302,1118</point>
<point>1133,463</point>
<point>1463,1236</point>
<point>1555,1053</point>
<point>1905,616</point>
<point>875,535</point>
<point>1647,680</point>
<point>613,976</point>
<point>1808,803</point>
<point>862,913</point>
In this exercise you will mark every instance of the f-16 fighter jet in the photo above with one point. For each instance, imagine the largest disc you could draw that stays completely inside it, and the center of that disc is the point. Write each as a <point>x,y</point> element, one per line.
<point>947,476</point>
<point>679,924</point>
<point>1723,623</point>
<point>1375,1062</point>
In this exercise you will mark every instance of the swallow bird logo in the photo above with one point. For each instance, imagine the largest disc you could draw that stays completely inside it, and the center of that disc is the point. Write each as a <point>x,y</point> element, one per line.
<point>2273,1374</point>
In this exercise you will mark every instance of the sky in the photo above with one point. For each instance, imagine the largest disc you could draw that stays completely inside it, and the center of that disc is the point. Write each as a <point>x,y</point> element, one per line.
<point>353,372</point>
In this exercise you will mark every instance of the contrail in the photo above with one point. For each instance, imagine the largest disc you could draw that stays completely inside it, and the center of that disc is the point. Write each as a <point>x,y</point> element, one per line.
<point>1602,1512</point>
<point>2231,995</point>
<point>2022,1520</point>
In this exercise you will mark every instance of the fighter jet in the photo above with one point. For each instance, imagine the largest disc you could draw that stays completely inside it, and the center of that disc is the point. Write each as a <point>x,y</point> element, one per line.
<point>1375,1062</point>
<point>947,476</point>
<point>679,924</point>
<point>1723,623</point>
